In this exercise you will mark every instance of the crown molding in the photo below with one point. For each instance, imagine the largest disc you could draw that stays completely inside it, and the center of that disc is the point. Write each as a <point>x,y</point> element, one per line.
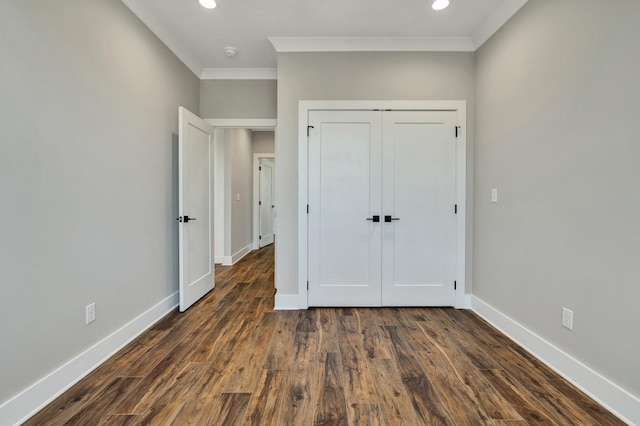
<point>328,44</point>
<point>495,21</point>
<point>256,124</point>
<point>239,74</point>
<point>372,44</point>
<point>160,30</point>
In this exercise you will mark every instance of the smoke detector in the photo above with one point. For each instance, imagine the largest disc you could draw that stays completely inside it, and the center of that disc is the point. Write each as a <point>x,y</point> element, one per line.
<point>230,51</point>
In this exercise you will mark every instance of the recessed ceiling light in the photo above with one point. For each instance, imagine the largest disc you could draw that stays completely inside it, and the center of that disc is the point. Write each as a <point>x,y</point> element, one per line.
<point>440,4</point>
<point>209,4</point>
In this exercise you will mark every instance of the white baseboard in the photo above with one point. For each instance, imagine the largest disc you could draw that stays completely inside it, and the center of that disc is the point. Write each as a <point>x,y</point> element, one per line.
<point>235,257</point>
<point>286,302</point>
<point>31,400</point>
<point>218,260</point>
<point>611,396</point>
<point>463,301</point>
<point>241,253</point>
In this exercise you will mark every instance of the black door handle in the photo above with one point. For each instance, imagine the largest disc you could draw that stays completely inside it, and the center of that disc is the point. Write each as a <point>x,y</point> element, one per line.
<point>374,218</point>
<point>185,219</point>
<point>389,218</point>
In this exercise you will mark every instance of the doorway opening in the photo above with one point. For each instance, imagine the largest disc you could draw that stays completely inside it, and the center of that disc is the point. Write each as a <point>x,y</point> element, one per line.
<point>237,146</point>
<point>264,216</point>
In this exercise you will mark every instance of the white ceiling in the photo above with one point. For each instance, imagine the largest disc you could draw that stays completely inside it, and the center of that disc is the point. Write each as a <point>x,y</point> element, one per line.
<point>259,28</point>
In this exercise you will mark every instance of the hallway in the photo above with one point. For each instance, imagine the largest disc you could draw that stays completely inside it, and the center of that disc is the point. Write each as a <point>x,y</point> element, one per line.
<point>232,360</point>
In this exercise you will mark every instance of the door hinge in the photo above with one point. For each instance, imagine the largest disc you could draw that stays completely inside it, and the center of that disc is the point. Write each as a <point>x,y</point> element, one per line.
<point>259,237</point>
<point>455,209</point>
<point>457,128</point>
<point>307,208</point>
<point>260,168</point>
<point>259,203</point>
<point>307,285</point>
<point>308,128</point>
<point>455,285</point>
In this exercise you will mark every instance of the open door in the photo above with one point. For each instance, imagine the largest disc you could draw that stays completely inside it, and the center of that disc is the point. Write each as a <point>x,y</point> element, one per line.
<point>195,208</point>
<point>266,202</point>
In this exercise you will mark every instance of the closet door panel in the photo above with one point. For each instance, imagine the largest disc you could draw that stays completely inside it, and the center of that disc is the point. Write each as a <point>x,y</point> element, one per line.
<point>419,195</point>
<point>344,191</point>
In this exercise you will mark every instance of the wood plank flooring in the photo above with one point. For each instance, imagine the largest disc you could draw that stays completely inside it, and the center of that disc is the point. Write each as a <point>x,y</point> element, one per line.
<point>232,360</point>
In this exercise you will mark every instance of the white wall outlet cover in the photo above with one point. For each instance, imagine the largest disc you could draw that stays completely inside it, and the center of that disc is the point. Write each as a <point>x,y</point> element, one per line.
<point>494,195</point>
<point>238,196</point>
<point>90,312</point>
<point>567,318</point>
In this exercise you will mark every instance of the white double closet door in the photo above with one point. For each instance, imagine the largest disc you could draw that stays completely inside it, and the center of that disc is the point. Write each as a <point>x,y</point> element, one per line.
<point>382,225</point>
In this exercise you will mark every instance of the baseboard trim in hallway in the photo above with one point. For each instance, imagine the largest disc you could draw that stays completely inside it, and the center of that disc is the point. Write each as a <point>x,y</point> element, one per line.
<point>608,394</point>
<point>35,397</point>
<point>236,257</point>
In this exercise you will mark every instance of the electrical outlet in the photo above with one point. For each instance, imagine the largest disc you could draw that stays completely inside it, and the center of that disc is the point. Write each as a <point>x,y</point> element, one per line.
<point>494,195</point>
<point>567,318</point>
<point>90,312</point>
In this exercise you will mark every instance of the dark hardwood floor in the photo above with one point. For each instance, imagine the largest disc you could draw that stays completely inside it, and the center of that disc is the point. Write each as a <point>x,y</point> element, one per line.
<point>232,360</point>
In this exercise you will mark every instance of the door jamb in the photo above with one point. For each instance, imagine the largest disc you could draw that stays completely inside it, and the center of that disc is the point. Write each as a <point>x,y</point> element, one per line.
<point>460,107</point>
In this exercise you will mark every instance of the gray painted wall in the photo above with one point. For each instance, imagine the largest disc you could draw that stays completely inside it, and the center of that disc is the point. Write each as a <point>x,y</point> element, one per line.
<point>263,142</point>
<point>88,171</point>
<point>557,133</point>
<point>238,148</point>
<point>238,98</point>
<point>354,76</point>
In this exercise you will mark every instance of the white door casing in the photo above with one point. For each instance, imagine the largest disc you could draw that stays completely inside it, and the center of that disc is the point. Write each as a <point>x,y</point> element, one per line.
<point>195,208</point>
<point>265,204</point>
<point>447,192</point>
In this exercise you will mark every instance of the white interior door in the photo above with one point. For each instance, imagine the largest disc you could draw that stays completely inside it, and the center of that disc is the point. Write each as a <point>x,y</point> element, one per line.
<point>265,204</point>
<point>398,166</point>
<point>195,208</point>
<point>418,244</point>
<point>345,154</point>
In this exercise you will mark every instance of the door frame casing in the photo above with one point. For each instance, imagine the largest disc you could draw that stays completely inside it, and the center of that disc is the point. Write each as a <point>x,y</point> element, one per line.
<point>462,299</point>
<point>256,195</point>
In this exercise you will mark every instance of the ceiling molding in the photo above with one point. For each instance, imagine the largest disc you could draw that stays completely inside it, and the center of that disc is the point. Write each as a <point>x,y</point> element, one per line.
<point>495,21</point>
<point>255,124</point>
<point>372,44</point>
<point>175,45</point>
<point>239,74</point>
<point>327,44</point>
